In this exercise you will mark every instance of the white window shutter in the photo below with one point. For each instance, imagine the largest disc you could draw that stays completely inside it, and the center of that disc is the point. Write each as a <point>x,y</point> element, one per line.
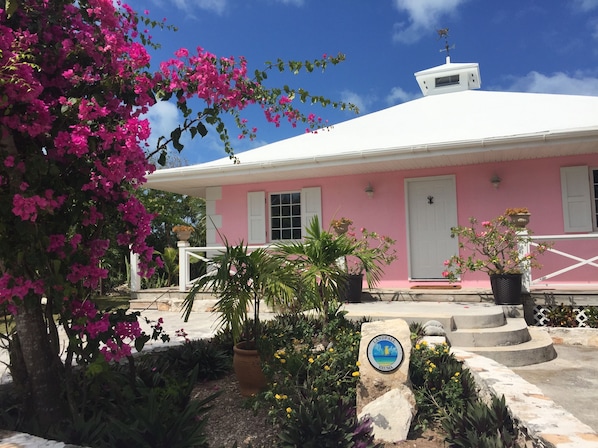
<point>577,205</point>
<point>256,218</point>
<point>311,201</point>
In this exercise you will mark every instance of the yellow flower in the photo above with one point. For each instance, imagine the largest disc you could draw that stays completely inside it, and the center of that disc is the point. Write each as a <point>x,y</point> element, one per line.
<point>357,363</point>
<point>355,374</point>
<point>331,350</point>
<point>289,410</point>
<point>310,360</point>
<point>283,360</point>
<point>326,368</point>
<point>417,346</point>
<point>456,374</point>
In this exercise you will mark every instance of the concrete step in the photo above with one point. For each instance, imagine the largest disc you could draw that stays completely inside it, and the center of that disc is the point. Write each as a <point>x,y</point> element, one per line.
<point>537,350</point>
<point>450,315</point>
<point>513,332</point>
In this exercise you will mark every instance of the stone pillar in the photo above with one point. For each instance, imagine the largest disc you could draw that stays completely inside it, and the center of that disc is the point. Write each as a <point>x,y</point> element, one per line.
<point>135,278</point>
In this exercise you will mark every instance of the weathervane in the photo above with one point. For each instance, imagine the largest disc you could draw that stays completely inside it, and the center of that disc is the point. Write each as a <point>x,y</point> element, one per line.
<point>444,33</point>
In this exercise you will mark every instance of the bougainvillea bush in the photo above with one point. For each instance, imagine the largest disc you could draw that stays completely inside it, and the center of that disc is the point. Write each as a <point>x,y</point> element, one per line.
<point>75,81</point>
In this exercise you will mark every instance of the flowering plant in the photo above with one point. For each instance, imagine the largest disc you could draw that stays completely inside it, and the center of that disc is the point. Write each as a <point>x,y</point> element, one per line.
<point>371,247</point>
<point>182,228</point>
<point>340,225</point>
<point>516,211</point>
<point>492,247</point>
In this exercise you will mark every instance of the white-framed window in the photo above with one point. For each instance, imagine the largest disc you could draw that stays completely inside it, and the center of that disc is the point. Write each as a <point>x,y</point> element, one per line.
<point>579,191</point>
<point>274,217</point>
<point>285,216</point>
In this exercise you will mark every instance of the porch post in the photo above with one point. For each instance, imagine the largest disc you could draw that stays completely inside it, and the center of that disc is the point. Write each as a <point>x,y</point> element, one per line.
<point>526,270</point>
<point>183,265</point>
<point>134,272</point>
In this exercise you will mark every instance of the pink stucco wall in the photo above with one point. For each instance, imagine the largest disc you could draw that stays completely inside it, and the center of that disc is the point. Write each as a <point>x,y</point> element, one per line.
<point>534,184</point>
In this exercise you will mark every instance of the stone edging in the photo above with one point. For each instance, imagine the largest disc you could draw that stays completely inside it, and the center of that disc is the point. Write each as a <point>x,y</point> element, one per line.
<point>587,337</point>
<point>545,424</point>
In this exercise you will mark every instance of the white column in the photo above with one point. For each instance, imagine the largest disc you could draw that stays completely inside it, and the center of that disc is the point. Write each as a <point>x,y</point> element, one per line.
<point>526,270</point>
<point>134,272</point>
<point>183,265</point>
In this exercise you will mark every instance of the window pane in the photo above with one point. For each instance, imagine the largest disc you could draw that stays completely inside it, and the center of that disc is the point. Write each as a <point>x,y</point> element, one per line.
<point>285,216</point>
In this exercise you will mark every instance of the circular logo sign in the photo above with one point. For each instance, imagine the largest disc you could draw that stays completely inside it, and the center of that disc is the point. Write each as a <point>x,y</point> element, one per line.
<point>385,353</point>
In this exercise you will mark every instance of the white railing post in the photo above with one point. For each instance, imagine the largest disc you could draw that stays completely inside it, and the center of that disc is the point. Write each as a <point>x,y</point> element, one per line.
<point>183,265</point>
<point>526,269</point>
<point>134,272</point>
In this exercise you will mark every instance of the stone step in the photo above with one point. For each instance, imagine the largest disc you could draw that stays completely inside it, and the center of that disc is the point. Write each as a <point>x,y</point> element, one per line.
<point>513,332</point>
<point>450,315</point>
<point>537,350</point>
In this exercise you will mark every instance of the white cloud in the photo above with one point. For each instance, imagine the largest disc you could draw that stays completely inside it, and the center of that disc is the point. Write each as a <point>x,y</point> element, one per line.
<point>398,95</point>
<point>164,117</point>
<point>216,6</point>
<point>291,2</point>
<point>578,84</point>
<point>585,5</point>
<point>424,16</point>
<point>361,101</point>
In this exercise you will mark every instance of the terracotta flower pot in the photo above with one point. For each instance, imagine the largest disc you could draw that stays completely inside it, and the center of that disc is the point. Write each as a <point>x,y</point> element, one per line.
<point>248,370</point>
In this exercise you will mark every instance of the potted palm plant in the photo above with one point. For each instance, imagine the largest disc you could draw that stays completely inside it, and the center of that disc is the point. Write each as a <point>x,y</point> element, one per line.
<point>321,263</point>
<point>241,281</point>
<point>493,247</point>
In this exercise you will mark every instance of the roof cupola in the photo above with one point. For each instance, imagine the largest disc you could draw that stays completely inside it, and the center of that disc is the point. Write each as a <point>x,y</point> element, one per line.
<point>448,77</point>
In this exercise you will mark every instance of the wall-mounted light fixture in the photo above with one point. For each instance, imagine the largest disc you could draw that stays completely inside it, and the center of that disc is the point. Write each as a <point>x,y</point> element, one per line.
<point>495,181</point>
<point>369,190</point>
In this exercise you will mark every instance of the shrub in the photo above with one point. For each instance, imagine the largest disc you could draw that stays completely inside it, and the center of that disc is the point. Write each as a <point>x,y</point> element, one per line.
<point>314,371</point>
<point>561,316</point>
<point>439,383</point>
<point>481,426</point>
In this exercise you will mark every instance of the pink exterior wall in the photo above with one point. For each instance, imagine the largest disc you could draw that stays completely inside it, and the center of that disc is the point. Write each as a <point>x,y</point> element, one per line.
<point>534,184</point>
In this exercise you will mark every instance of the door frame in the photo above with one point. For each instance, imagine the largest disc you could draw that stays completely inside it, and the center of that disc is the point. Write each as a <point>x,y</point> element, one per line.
<point>407,182</point>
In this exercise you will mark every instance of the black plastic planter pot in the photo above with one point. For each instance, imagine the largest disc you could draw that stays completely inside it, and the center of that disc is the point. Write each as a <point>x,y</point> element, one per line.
<point>506,288</point>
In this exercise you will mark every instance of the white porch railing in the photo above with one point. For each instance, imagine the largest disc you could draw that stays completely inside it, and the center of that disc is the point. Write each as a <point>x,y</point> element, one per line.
<point>576,262</point>
<point>204,254</point>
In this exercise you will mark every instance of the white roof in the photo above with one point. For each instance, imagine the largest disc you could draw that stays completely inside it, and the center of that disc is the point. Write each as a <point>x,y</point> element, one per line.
<point>457,128</point>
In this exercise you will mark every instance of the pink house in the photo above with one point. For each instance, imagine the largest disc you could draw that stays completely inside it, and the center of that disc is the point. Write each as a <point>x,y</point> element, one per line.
<point>414,170</point>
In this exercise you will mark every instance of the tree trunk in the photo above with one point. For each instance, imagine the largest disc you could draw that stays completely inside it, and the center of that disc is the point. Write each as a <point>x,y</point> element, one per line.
<point>42,367</point>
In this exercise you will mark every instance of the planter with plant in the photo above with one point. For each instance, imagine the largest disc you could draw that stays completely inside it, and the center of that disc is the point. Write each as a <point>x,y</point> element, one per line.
<point>321,261</point>
<point>242,279</point>
<point>493,247</point>
<point>183,231</point>
<point>372,249</point>
<point>519,216</point>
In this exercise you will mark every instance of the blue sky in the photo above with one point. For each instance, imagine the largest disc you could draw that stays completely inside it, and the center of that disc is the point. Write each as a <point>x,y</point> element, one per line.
<point>548,46</point>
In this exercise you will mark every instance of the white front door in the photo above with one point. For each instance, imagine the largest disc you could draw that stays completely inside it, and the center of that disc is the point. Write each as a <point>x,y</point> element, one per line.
<point>431,212</point>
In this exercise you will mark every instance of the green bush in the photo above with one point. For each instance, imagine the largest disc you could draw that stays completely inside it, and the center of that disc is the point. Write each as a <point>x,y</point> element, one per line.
<point>313,367</point>
<point>439,383</point>
<point>592,315</point>
<point>481,426</point>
